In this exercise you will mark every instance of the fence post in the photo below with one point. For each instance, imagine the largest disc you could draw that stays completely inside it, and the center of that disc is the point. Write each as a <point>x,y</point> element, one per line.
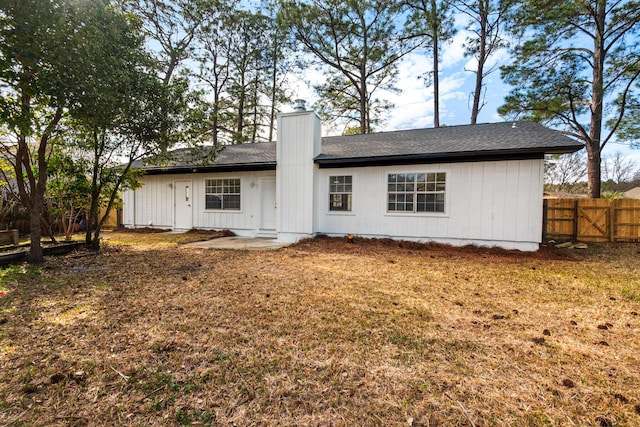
<point>575,219</point>
<point>545,207</point>
<point>612,220</point>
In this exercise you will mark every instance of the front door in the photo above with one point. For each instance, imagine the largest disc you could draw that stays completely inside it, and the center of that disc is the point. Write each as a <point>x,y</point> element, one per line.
<point>182,196</point>
<point>268,204</point>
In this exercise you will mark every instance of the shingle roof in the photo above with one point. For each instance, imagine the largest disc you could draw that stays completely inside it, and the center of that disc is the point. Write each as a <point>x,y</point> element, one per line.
<point>451,143</point>
<point>256,156</point>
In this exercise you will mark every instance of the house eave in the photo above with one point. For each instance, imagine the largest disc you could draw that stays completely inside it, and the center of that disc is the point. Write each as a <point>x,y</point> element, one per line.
<point>438,158</point>
<point>237,167</point>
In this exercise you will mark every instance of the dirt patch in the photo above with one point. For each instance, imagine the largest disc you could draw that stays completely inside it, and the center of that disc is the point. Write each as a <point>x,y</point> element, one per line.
<point>342,244</point>
<point>212,233</point>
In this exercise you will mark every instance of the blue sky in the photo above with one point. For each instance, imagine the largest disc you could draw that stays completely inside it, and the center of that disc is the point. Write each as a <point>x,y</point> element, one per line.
<point>414,103</point>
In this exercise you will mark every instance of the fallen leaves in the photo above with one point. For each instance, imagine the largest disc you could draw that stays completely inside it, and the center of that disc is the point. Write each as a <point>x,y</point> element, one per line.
<point>326,332</point>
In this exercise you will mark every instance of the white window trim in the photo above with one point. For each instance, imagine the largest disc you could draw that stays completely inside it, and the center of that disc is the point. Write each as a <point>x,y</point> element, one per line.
<point>224,211</point>
<point>328,192</point>
<point>389,213</point>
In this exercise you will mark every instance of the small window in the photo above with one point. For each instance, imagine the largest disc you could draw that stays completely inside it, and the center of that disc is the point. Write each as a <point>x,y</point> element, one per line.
<point>340,193</point>
<point>223,194</point>
<point>416,192</point>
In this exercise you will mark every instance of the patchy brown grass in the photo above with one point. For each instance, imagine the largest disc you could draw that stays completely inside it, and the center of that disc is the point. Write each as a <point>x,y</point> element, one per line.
<point>326,332</point>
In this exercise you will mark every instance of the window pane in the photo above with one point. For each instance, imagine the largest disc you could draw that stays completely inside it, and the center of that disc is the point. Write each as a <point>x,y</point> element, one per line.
<point>340,193</point>
<point>222,194</point>
<point>340,202</point>
<point>213,202</point>
<point>231,202</point>
<point>416,192</point>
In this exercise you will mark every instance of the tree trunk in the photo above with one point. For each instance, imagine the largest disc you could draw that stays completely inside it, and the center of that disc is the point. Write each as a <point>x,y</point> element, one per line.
<point>593,167</point>
<point>482,58</point>
<point>274,91</point>
<point>35,217</point>
<point>436,59</point>
<point>594,145</point>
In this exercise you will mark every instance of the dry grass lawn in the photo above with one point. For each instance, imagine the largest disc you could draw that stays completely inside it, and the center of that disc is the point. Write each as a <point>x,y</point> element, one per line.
<point>323,333</point>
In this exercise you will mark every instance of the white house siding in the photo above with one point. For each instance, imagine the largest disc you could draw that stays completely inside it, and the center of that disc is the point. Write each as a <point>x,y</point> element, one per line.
<point>298,143</point>
<point>486,203</point>
<point>152,205</point>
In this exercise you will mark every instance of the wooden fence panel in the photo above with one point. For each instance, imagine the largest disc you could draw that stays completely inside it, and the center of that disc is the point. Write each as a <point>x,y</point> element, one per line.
<point>626,220</point>
<point>594,220</point>
<point>560,219</point>
<point>591,220</point>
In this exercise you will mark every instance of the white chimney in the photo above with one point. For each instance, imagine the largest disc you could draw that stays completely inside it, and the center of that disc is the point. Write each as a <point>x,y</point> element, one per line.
<point>297,144</point>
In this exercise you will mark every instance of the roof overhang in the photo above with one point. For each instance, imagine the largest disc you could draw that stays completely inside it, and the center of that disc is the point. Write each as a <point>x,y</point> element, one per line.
<point>238,167</point>
<point>438,158</point>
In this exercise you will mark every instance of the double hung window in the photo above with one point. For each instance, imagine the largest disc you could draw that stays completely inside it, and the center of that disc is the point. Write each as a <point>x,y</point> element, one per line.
<point>340,191</point>
<point>222,194</point>
<point>416,192</point>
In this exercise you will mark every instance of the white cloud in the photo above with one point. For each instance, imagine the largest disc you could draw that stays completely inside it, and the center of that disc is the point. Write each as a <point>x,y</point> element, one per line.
<point>453,52</point>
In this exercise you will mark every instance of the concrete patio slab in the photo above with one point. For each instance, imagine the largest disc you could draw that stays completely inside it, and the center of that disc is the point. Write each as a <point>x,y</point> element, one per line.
<point>236,242</point>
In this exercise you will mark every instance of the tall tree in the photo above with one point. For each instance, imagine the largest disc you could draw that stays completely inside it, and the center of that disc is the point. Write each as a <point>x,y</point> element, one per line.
<point>279,62</point>
<point>242,63</point>
<point>485,25</point>
<point>577,68</point>
<point>361,46</point>
<point>124,118</point>
<point>214,72</point>
<point>173,26</point>
<point>246,55</point>
<point>47,63</point>
<point>432,21</point>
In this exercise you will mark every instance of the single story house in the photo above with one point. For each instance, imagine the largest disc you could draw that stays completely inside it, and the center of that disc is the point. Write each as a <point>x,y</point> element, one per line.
<point>474,184</point>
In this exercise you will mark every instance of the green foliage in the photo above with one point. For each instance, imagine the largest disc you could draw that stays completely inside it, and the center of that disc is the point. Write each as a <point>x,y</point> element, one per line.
<point>82,63</point>
<point>431,20</point>
<point>360,45</point>
<point>577,68</point>
<point>68,189</point>
<point>52,55</point>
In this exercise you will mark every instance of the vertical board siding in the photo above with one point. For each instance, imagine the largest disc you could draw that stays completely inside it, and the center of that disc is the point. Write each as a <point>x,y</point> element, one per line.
<point>485,201</point>
<point>154,202</point>
<point>298,135</point>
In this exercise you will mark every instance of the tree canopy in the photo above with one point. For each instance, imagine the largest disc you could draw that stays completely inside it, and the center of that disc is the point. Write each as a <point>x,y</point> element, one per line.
<point>577,68</point>
<point>75,62</point>
<point>360,44</point>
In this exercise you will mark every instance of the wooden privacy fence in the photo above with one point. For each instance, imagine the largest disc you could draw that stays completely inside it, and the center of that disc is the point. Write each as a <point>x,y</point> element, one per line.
<point>591,220</point>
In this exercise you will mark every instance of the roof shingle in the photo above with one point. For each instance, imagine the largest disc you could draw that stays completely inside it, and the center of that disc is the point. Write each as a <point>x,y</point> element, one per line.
<point>464,142</point>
